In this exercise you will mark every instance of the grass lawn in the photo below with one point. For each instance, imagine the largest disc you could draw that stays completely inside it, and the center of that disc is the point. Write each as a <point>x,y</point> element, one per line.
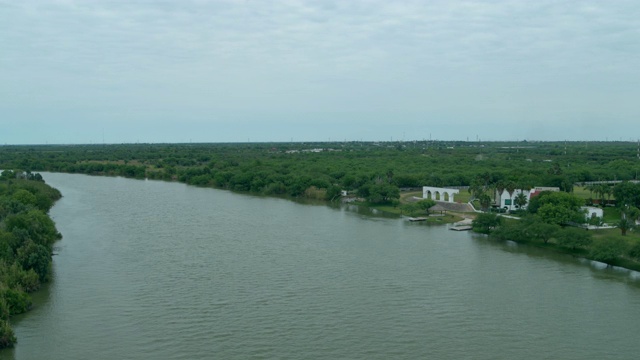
<point>406,197</point>
<point>581,192</point>
<point>611,215</point>
<point>631,237</point>
<point>463,196</point>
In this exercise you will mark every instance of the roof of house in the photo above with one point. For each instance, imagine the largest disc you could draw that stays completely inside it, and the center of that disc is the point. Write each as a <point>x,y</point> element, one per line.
<point>437,207</point>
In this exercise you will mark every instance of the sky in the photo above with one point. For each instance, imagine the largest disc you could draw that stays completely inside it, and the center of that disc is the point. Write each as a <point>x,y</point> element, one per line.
<point>142,71</point>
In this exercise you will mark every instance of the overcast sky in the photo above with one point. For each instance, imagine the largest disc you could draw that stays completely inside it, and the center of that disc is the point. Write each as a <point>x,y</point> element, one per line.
<point>256,70</point>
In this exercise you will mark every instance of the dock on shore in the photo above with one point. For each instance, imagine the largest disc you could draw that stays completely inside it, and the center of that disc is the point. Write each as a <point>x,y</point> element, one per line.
<point>464,225</point>
<point>461,227</point>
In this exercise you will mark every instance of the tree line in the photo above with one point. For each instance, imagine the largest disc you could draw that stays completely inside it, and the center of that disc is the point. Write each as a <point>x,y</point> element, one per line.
<point>373,171</point>
<point>27,235</point>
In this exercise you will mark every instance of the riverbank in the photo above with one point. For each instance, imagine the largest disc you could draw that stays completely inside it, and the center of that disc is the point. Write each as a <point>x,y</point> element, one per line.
<point>295,278</point>
<point>608,245</point>
<point>27,235</point>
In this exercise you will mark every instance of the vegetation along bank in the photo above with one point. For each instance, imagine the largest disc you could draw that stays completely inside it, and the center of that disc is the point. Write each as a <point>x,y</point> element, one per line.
<point>377,173</point>
<point>27,235</point>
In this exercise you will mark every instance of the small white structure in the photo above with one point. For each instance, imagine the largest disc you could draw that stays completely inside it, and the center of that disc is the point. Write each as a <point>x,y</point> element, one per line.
<point>592,212</point>
<point>439,194</point>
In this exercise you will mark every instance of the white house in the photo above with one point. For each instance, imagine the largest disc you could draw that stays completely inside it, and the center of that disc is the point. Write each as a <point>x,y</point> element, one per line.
<point>507,201</point>
<point>592,212</point>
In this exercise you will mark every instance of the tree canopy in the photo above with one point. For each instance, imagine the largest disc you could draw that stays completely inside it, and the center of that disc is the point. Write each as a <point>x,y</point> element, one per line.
<point>27,235</point>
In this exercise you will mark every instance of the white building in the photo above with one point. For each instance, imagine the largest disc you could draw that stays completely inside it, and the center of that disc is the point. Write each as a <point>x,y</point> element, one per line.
<point>507,201</point>
<point>438,193</point>
<point>592,212</point>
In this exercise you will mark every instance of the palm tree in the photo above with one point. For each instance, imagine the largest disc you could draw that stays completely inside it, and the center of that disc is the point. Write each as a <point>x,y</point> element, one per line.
<point>603,190</point>
<point>475,189</point>
<point>625,224</point>
<point>390,176</point>
<point>521,200</point>
<point>609,192</point>
<point>510,187</point>
<point>590,188</point>
<point>485,201</point>
<point>499,186</point>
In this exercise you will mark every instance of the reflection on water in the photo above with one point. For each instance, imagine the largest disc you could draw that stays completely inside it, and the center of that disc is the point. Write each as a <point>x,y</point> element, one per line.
<point>599,270</point>
<point>154,270</point>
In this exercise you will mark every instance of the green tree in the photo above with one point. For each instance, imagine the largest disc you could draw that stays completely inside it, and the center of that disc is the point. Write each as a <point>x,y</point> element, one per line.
<point>37,257</point>
<point>521,200</point>
<point>390,176</point>
<point>541,231</point>
<point>25,197</point>
<point>634,251</point>
<point>625,224</point>
<point>485,201</point>
<point>426,204</point>
<point>39,226</point>
<point>333,192</point>
<point>559,215</point>
<point>8,174</point>
<point>476,188</point>
<point>510,186</point>
<point>499,186</point>
<point>7,337</point>
<point>607,250</point>
<point>557,207</point>
<point>485,223</point>
<point>627,194</point>
<point>574,238</point>
<point>383,193</point>
<point>513,231</point>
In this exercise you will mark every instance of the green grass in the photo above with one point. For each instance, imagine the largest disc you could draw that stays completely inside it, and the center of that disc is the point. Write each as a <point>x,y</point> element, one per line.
<point>581,192</point>
<point>406,197</point>
<point>631,237</point>
<point>611,215</point>
<point>450,217</point>
<point>462,197</point>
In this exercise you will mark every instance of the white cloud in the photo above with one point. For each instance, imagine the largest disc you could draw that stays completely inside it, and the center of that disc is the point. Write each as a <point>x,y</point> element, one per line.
<point>374,61</point>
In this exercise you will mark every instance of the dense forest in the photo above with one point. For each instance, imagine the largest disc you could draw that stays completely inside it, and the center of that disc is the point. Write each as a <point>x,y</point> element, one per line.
<point>374,171</point>
<point>27,235</point>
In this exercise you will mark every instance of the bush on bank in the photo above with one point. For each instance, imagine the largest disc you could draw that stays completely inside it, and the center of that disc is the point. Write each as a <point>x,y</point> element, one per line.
<point>27,235</point>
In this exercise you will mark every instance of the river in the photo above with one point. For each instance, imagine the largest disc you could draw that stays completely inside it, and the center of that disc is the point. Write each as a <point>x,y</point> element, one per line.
<point>158,270</point>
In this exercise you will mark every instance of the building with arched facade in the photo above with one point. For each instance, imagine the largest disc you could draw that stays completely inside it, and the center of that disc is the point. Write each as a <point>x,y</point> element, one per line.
<point>439,194</point>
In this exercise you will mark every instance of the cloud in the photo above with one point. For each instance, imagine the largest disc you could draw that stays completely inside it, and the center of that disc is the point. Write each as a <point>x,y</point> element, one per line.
<point>463,61</point>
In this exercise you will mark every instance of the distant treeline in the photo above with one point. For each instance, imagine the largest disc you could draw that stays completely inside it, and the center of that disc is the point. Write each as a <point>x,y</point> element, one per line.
<point>374,171</point>
<point>27,235</point>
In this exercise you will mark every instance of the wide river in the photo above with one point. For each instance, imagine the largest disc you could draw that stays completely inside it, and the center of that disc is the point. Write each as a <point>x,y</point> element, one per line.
<point>157,270</point>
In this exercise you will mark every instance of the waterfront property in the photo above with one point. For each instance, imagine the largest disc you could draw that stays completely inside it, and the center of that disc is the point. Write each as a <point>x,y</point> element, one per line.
<point>506,200</point>
<point>439,194</point>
